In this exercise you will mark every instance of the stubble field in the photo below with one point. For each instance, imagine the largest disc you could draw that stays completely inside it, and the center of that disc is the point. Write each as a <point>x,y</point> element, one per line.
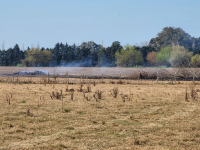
<point>144,115</point>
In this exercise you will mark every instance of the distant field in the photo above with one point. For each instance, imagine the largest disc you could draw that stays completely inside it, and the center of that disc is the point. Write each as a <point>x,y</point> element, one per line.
<point>112,71</point>
<point>143,116</point>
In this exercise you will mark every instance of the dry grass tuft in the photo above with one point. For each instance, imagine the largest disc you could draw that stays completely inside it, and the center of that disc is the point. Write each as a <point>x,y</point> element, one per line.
<point>194,94</point>
<point>114,92</point>
<point>97,95</point>
<point>88,88</point>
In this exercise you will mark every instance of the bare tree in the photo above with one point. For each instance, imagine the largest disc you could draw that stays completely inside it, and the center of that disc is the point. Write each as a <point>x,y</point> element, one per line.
<point>38,45</point>
<point>101,44</point>
<point>193,45</point>
<point>2,45</point>
<point>22,47</point>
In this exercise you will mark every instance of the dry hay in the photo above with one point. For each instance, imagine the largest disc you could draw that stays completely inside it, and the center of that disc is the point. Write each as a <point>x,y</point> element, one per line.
<point>157,116</point>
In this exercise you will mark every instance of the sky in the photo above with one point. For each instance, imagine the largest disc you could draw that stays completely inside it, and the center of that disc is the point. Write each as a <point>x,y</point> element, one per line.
<point>47,22</point>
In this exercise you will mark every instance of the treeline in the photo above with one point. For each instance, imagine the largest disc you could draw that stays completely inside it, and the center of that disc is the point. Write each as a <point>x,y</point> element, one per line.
<point>171,47</point>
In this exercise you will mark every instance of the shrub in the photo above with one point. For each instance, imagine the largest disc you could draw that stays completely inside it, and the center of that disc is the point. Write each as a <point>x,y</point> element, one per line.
<point>23,101</point>
<point>66,110</point>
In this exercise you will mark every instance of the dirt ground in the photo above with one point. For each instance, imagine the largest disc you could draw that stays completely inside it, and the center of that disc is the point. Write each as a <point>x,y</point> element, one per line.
<point>144,115</point>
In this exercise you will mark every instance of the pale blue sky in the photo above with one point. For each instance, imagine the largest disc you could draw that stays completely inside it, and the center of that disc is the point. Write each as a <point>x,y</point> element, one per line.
<point>47,22</point>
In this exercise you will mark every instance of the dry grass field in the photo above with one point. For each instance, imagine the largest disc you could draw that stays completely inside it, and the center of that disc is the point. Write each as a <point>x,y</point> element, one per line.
<point>144,115</point>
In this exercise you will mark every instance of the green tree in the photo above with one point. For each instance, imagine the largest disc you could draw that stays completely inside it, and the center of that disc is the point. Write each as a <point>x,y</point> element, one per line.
<point>195,60</point>
<point>36,57</point>
<point>163,56</point>
<point>45,57</point>
<point>129,57</point>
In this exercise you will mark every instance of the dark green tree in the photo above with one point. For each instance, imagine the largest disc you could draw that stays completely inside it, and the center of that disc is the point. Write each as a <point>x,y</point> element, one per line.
<point>71,53</point>
<point>10,56</point>
<point>18,55</point>
<point>171,36</point>
<point>107,56</point>
<point>3,58</point>
<point>56,53</point>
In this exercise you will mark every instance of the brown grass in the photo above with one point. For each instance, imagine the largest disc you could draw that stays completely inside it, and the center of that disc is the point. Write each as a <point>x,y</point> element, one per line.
<point>153,116</point>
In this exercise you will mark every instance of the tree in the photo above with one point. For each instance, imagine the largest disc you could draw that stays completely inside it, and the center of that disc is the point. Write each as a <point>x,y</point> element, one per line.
<point>195,60</point>
<point>36,57</point>
<point>171,36</point>
<point>56,53</point>
<point>71,53</point>
<point>3,58</point>
<point>45,57</point>
<point>10,57</point>
<point>180,56</point>
<point>151,58</point>
<point>102,58</point>
<point>129,57</point>
<point>145,50</point>
<point>163,56</point>
<point>18,55</point>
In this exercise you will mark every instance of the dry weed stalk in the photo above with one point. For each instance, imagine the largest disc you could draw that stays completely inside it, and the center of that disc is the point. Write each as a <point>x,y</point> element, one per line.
<point>194,94</point>
<point>39,101</point>
<point>88,88</point>
<point>55,76</point>
<point>86,97</point>
<point>72,95</point>
<point>114,92</point>
<point>69,90</point>
<point>66,89</point>
<point>28,113</point>
<point>186,95</point>
<point>44,80</point>
<point>8,98</point>
<point>57,95</point>
<point>81,87</point>
<point>97,95</point>
<point>62,102</point>
<point>126,97</point>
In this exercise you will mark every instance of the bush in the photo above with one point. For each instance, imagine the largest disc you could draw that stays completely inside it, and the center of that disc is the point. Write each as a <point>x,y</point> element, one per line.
<point>19,65</point>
